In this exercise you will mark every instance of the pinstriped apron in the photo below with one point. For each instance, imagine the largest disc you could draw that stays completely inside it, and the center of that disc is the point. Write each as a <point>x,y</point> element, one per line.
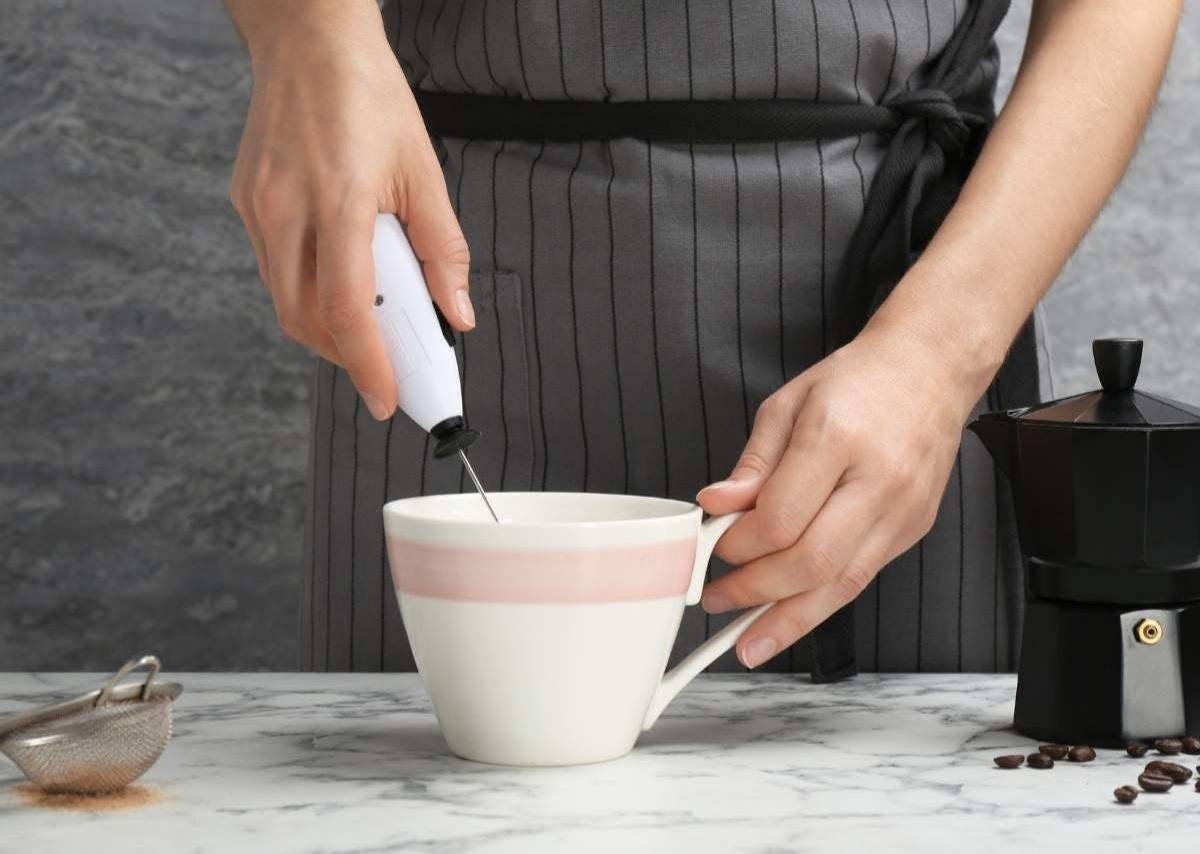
<point>637,300</point>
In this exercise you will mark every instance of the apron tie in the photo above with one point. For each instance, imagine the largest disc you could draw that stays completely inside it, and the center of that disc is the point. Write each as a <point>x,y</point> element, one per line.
<point>943,121</point>
<point>943,126</point>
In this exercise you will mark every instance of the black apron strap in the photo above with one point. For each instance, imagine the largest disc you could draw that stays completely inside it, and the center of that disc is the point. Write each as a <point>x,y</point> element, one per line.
<point>935,134</point>
<point>922,172</point>
<point>460,116</point>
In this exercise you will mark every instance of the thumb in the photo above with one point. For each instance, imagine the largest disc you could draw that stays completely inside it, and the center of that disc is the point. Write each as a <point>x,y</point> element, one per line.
<point>768,440</point>
<point>737,492</point>
<point>438,242</point>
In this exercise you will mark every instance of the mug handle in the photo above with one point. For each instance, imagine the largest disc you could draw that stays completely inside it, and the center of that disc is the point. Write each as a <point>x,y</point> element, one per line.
<point>685,671</point>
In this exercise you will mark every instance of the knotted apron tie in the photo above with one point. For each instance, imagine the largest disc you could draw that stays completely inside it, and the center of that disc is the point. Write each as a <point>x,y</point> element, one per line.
<point>943,122</point>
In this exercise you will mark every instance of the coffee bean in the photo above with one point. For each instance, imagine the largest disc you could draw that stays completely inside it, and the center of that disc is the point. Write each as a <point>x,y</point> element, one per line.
<point>1081,753</point>
<point>1125,794</point>
<point>1155,782</point>
<point>1198,785</point>
<point>1136,749</point>
<point>1012,760</point>
<point>1176,772</point>
<point>1168,746</point>
<point>1040,760</point>
<point>1054,751</point>
<point>1191,745</point>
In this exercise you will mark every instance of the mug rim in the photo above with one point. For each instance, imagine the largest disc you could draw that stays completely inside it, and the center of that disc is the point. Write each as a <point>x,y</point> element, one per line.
<point>590,561</point>
<point>396,510</point>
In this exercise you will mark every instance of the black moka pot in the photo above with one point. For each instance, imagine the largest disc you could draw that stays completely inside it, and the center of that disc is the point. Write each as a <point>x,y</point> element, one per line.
<point>1106,488</point>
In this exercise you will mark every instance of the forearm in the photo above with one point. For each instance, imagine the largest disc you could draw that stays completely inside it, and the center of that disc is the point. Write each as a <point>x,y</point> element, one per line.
<point>261,22</point>
<point>1084,90</point>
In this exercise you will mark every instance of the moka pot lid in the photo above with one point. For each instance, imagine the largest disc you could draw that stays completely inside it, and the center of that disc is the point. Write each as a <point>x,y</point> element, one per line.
<point>1117,404</point>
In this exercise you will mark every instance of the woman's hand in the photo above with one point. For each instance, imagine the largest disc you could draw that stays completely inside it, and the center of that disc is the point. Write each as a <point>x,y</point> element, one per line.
<point>333,136</point>
<point>844,470</point>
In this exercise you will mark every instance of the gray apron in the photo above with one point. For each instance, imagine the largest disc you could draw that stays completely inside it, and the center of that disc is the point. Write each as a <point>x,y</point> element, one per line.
<point>637,300</point>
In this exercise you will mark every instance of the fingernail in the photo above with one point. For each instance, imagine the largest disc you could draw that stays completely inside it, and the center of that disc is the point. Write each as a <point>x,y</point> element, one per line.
<point>376,406</point>
<point>713,487</point>
<point>758,651</point>
<point>715,603</point>
<point>465,310</point>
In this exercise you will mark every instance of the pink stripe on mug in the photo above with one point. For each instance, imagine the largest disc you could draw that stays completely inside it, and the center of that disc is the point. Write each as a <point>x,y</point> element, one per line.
<point>652,571</point>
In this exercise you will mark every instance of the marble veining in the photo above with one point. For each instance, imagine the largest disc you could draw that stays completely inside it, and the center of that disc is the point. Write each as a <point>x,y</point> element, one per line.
<point>768,762</point>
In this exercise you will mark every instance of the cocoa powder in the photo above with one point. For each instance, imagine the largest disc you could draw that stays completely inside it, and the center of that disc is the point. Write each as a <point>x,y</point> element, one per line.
<point>131,797</point>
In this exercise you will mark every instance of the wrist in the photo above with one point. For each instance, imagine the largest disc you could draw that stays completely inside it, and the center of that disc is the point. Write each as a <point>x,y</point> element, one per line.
<point>962,346</point>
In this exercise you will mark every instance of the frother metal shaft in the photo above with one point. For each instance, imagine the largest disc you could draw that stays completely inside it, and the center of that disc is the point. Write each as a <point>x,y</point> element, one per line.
<point>478,486</point>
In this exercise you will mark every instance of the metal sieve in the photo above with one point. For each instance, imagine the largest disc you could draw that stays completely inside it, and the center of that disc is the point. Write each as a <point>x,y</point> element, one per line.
<point>98,742</point>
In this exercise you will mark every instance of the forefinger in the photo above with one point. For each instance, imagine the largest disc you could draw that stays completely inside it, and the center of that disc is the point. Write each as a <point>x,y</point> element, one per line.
<point>824,551</point>
<point>790,499</point>
<point>346,294</point>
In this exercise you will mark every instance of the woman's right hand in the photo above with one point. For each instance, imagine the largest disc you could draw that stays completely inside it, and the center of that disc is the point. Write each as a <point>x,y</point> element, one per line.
<point>333,137</point>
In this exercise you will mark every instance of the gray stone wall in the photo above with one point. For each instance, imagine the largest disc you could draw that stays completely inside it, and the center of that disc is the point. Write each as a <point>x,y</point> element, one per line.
<point>1138,270</point>
<point>153,430</point>
<point>152,418</point>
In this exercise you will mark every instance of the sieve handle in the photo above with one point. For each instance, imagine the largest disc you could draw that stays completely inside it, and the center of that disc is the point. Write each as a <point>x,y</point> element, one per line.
<point>131,665</point>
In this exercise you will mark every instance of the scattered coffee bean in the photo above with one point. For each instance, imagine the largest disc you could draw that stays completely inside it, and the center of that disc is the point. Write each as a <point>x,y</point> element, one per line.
<point>1136,749</point>
<point>1155,782</point>
<point>1040,760</point>
<point>1012,760</point>
<point>1198,785</point>
<point>1125,794</point>
<point>1191,745</point>
<point>1176,772</point>
<point>1168,746</point>
<point>1054,751</point>
<point>1081,753</point>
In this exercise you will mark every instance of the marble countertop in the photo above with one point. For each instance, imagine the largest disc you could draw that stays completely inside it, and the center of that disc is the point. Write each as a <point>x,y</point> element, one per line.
<point>354,762</point>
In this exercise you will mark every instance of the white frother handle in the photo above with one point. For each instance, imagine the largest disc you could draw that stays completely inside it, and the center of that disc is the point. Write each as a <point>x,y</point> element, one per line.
<point>420,344</point>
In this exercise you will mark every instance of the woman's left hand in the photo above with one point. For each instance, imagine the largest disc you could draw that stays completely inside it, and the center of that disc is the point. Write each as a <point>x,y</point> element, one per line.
<point>844,470</point>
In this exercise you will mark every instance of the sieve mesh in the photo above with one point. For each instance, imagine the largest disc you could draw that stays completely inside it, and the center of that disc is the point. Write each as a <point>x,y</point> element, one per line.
<point>94,750</point>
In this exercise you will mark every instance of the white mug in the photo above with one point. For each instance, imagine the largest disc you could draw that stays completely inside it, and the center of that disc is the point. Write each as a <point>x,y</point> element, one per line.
<point>542,639</point>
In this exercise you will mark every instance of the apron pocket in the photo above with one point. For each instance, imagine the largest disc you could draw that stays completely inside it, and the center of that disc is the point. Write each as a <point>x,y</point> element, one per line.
<point>495,369</point>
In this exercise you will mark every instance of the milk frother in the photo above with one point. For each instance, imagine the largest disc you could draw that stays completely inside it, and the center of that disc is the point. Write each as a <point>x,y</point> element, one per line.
<point>420,347</point>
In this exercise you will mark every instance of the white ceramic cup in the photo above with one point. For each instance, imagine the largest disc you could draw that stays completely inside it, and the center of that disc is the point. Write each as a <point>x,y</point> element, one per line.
<point>542,639</point>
